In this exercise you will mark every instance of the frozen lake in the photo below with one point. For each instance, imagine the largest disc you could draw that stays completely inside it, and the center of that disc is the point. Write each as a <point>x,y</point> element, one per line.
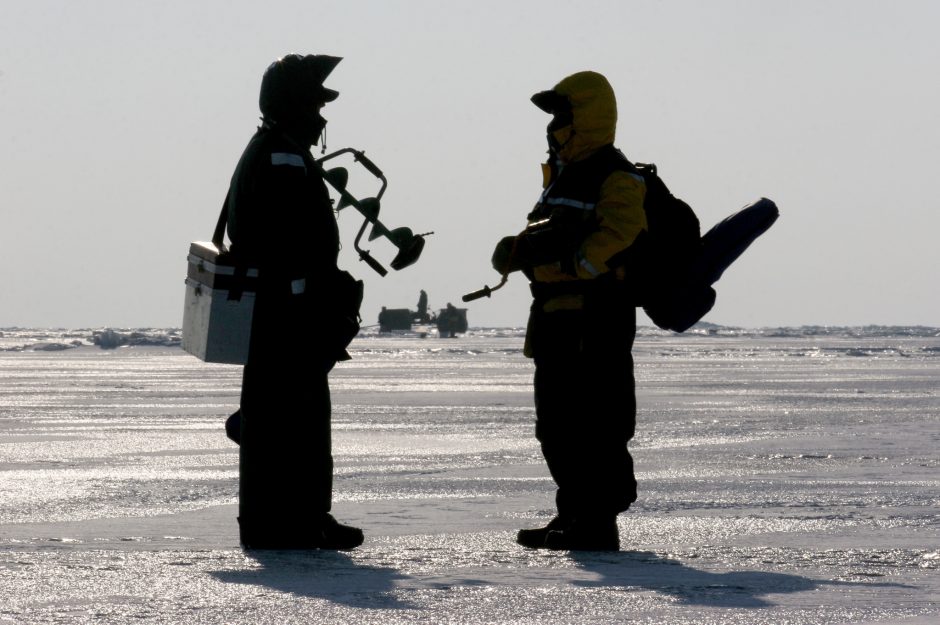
<point>785,477</point>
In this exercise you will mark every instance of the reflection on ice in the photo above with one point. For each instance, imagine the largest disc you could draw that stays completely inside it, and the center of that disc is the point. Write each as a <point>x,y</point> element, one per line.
<point>785,476</point>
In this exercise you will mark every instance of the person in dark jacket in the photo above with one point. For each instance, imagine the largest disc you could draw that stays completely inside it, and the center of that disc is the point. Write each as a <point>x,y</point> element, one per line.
<point>281,221</point>
<point>576,251</point>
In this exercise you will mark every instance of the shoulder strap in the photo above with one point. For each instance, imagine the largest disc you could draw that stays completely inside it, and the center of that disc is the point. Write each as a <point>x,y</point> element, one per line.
<point>219,235</point>
<point>610,159</point>
<point>239,276</point>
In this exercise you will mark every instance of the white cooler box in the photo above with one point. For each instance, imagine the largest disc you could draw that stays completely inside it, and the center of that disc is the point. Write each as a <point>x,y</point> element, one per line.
<point>216,319</point>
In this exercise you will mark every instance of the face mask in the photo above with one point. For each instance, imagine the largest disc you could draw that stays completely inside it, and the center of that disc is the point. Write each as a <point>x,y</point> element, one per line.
<point>559,130</point>
<point>317,126</point>
<point>558,138</point>
<point>306,128</point>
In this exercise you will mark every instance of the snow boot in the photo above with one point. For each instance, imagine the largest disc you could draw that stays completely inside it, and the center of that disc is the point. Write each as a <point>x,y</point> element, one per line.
<point>535,538</point>
<point>585,535</point>
<point>334,535</point>
<point>328,533</point>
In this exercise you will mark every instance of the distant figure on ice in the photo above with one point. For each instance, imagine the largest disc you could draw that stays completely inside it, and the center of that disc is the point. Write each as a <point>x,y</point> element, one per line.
<point>306,313</point>
<point>576,252</point>
<point>421,315</point>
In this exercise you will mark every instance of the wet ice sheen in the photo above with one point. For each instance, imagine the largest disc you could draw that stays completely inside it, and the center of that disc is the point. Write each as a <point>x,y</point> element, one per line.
<point>785,477</point>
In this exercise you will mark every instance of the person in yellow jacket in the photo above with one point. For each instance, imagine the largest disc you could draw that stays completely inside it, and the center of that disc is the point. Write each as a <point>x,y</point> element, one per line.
<point>582,252</point>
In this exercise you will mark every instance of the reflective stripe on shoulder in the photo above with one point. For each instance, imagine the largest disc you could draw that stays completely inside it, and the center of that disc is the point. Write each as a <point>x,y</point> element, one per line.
<point>563,201</point>
<point>637,176</point>
<point>591,269</point>
<point>286,158</point>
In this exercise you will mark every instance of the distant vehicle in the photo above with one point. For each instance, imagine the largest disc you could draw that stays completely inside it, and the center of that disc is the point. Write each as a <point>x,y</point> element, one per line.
<point>450,321</point>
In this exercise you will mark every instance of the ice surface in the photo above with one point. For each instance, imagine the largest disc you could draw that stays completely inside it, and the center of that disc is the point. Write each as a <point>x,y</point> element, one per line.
<point>786,476</point>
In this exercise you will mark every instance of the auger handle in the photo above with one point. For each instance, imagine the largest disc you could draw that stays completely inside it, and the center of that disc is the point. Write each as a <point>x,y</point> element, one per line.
<point>486,291</point>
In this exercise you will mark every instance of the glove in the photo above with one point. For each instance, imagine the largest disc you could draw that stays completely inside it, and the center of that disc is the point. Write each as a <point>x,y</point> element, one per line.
<point>506,258</point>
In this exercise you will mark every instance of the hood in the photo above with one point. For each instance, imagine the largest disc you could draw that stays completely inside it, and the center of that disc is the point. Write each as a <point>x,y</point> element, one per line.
<point>294,83</point>
<point>593,109</point>
<point>292,94</point>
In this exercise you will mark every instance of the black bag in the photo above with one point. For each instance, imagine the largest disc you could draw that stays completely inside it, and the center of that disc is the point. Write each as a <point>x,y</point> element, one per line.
<point>345,293</point>
<point>677,290</point>
<point>672,293</point>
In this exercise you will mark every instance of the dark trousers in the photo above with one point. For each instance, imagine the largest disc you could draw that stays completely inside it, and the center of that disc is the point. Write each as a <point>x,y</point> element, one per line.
<point>585,403</point>
<point>285,457</point>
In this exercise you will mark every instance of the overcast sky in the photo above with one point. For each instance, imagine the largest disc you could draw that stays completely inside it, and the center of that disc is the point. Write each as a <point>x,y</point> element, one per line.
<point>121,122</point>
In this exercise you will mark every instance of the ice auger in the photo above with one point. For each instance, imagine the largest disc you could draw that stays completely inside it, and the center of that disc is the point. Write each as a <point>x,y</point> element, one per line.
<point>408,243</point>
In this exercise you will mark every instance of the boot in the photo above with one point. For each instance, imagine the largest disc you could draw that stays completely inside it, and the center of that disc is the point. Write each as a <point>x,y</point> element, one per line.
<point>334,535</point>
<point>535,538</point>
<point>585,535</point>
<point>327,534</point>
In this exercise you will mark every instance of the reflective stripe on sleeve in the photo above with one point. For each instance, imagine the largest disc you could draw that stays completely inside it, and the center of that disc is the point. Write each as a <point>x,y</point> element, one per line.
<point>588,267</point>
<point>286,158</point>
<point>563,201</point>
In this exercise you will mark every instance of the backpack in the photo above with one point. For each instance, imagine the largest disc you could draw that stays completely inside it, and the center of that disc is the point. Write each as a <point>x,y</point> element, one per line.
<point>672,291</point>
<point>676,290</point>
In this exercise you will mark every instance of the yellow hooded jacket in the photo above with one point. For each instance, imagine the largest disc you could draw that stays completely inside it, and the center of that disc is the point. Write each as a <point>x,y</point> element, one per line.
<point>586,185</point>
